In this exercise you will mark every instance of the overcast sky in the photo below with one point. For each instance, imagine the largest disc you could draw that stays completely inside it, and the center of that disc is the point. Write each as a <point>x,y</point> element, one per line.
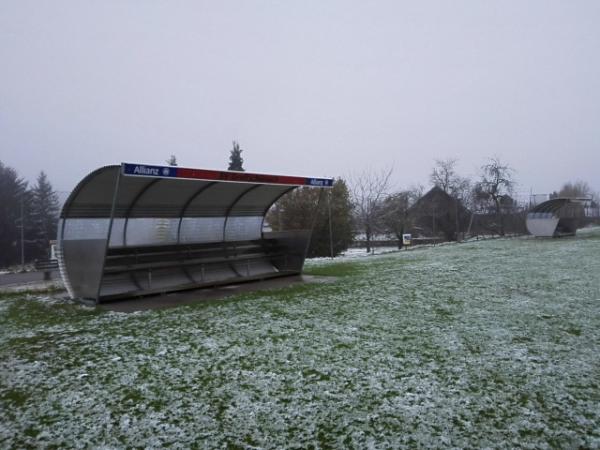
<point>321,88</point>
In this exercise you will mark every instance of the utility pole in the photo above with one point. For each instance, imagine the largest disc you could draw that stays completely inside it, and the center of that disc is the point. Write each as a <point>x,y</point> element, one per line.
<point>433,226</point>
<point>530,197</point>
<point>470,223</point>
<point>330,228</point>
<point>22,237</point>
<point>457,221</point>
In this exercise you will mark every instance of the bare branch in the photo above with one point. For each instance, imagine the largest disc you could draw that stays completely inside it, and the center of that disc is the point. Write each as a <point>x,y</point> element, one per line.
<point>369,189</point>
<point>495,187</point>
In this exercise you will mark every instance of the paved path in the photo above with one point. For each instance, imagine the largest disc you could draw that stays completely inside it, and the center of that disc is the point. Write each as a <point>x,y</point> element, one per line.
<point>207,294</point>
<point>25,278</point>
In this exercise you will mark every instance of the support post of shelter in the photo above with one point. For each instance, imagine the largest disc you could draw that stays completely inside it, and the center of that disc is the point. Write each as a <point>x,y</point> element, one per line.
<point>109,232</point>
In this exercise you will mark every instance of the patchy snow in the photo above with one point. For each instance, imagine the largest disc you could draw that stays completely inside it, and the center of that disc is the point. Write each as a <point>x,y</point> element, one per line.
<point>33,286</point>
<point>353,253</point>
<point>489,344</point>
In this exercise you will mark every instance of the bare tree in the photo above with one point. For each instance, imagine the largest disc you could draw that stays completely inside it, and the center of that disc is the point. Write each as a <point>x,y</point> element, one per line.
<point>445,177</point>
<point>575,189</point>
<point>369,189</point>
<point>495,186</point>
<point>444,174</point>
<point>415,192</point>
<point>396,207</point>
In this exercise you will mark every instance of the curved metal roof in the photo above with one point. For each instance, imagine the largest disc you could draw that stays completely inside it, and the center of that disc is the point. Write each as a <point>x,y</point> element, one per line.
<point>170,192</point>
<point>551,206</point>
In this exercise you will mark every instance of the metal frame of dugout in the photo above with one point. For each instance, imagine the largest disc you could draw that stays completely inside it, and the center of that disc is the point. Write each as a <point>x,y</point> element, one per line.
<point>135,229</point>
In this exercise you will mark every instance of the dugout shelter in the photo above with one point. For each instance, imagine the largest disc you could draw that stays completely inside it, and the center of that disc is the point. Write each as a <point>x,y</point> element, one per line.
<point>137,229</point>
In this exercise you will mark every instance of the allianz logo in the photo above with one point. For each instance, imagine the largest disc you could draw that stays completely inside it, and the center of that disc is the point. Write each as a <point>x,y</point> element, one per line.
<point>155,171</point>
<point>316,182</point>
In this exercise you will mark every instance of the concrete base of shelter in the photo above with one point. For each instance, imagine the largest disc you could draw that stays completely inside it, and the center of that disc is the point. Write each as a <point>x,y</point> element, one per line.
<point>201,295</point>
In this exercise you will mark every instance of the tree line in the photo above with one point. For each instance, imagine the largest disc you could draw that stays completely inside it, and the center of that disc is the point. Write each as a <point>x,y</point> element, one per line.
<point>366,206</point>
<point>28,217</point>
<point>363,204</point>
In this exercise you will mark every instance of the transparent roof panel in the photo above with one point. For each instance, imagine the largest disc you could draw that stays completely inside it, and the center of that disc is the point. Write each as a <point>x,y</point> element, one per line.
<point>216,200</point>
<point>165,198</point>
<point>257,201</point>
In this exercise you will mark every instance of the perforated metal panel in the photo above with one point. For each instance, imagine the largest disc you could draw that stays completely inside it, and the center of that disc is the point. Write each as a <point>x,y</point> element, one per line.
<point>243,228</point>
<point>201,229</point>
<point>151,231</point>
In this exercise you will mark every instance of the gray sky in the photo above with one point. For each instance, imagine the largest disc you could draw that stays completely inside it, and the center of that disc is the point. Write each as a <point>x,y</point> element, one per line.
<point>307,87</point>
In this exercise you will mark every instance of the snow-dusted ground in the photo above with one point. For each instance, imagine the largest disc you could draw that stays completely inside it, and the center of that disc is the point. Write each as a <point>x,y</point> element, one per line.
<point>353,253</point>
<point>486,344</point>
<point>33,286</point>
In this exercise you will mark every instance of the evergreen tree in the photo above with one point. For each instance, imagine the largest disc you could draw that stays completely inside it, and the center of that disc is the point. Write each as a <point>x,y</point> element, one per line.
<point>297,210</point>
<point>13,198</point>
<point>235,158</point>
<point>44,216</point>
<point>341,222</point>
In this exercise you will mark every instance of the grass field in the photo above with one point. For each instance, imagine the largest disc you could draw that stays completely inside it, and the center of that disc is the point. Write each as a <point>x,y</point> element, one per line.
<point>484,344</point>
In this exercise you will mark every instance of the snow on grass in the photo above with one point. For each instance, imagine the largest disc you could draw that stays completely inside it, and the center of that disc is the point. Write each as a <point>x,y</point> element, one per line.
<point>33,287</point>
<point>483,344</point>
